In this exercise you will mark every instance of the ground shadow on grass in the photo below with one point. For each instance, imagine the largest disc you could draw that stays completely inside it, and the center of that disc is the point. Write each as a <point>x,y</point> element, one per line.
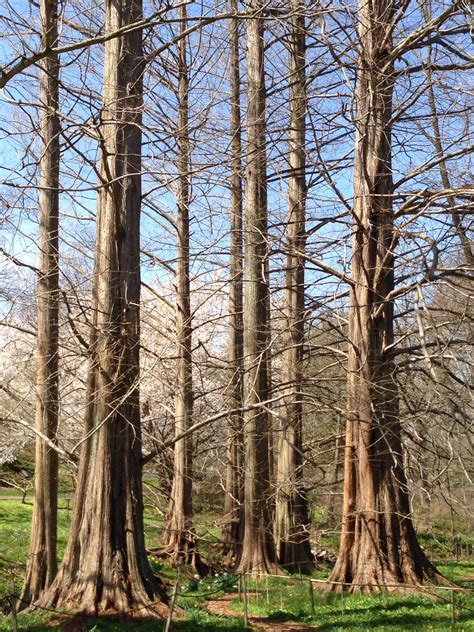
<point>199,621</point>
<point>283,615</point>
<point>459,571</point>
<point>405,614</point>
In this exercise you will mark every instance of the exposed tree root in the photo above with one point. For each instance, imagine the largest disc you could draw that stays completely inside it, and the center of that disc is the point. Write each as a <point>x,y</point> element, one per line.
<point>182,553</point>
<point>369,571</point>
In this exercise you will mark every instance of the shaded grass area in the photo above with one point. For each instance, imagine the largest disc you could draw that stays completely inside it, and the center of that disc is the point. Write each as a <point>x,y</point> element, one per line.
<point>290,600</point>
<point>439,544</point>
<point>13,492</point>
<point>17,477</point>
<point>195,620</point>
<point>460,572</point>
<point>277,598</point>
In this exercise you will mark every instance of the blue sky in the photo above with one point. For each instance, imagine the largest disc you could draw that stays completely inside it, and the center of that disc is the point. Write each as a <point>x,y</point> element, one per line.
<point>330,139</point>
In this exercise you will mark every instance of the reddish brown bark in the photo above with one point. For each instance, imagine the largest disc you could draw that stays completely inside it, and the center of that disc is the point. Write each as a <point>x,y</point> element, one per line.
<point>105,568</point>
<point>379,547</point>
<point>41,565</point>
<point>258,551</point>
<point>233,529</point>
<point>180,538</point>
<point>291,512</point>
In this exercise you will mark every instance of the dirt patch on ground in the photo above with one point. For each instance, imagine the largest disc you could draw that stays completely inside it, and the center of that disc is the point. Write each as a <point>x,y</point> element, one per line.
<point>222,606</point>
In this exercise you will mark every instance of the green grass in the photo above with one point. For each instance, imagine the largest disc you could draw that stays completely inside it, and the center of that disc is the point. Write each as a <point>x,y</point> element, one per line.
<point>289,599</point>
<point>15,522</point>
<point>195,620</point>
<point>439,544</point>
<point>20,474</point>
<point>16,493</point>
<point>277,598</point>
<point>457,571</point>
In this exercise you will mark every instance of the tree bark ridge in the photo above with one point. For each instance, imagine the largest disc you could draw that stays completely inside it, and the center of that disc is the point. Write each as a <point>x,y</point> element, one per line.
<point>105,567</point>
<point>41,565</point>
<point>379,546</point>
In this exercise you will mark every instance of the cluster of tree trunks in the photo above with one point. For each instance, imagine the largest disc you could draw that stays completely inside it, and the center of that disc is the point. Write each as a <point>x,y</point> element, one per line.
<point>258,547</point>
<point>291,511</point>
<point>272,536</point>
<point>105,566</point>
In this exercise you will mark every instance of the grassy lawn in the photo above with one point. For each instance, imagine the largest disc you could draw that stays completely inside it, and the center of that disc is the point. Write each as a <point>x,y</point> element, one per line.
<point>15,521</point>
<point>290,600</point>
<point>13,492</point>
<point>279,598</point>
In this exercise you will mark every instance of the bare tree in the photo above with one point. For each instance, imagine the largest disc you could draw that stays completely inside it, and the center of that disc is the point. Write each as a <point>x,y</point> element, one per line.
<point>409,407</point>
<point>42,559</point>
<point>437,141</point>
<point>232,532</point>
<point>105,565</point>
<point>379,546</point>
<point>258,550</point>
<point>291,513</point>
<point>180,538</point>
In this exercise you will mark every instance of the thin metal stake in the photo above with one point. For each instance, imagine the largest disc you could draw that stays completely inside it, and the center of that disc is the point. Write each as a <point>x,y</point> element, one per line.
<point>311,596</point>
<point>174,597</point>
<point>246,611</point>
<point>13,607</point>
<point>453,605</point>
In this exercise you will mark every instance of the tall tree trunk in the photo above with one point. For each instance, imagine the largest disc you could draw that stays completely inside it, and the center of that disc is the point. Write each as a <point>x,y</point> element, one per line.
<point>291,515</point>
<point>379,547</point>
<point>232,532</point>
<point>180,538</point>
<point>258,551</point>
<point>41,566</point>
<point>105,567</point>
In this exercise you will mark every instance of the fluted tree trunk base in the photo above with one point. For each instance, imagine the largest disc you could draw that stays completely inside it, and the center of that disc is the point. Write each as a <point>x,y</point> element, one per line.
<point>89,596</point>
<point>181,550</point>
<point>382,558</point>
<point>258,555</point>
